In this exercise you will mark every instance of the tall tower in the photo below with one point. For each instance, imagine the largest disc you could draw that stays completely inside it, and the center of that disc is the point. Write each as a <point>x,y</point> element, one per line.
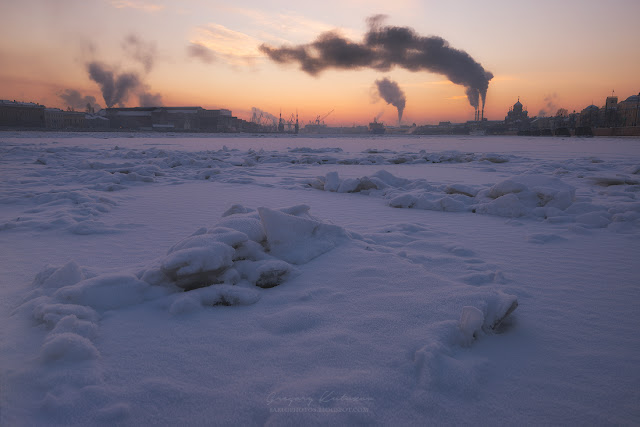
<point>611,110</point>
<point>280,123</point>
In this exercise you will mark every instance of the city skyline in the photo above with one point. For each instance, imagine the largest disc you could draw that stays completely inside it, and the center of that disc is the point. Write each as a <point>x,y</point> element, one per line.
<point>209,54</point>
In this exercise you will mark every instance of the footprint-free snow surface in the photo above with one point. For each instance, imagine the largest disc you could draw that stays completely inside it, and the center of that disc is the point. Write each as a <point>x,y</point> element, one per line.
<point>171,280</point>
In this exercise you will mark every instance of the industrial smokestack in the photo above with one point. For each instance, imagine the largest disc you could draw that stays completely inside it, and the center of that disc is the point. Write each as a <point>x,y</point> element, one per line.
<point>384,47</point>
<point>392,94</point>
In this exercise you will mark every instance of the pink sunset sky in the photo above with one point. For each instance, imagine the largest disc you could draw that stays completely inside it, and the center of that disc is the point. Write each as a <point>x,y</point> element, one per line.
<point>551,54</point>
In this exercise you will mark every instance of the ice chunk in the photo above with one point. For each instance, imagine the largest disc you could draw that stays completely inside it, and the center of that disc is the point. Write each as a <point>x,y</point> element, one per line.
<point>508,205</point>
<point>403,201</point>
<point>196,267</point>
<point>244,224</point>
<point>348,185</point>
<point>506,187</point>
<point>52,313</point>
<point>223,235</point>
<point>598,219</point>
<point>68,274</point>
<point>107,292</point>
<point>236,209</point>
<point>471,321</point>
<point>219,295</point>
<point>465,190</point>
<point>265,273</point>
<point>72,324</point>
<point>68,346</point>
<point>390,179</point>
<point>494,158</point>
<point>497,309</point>
<point>331,181</point>
<point>298,240</point>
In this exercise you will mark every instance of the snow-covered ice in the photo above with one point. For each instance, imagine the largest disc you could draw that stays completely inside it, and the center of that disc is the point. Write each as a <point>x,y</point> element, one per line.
<point>170,280</point>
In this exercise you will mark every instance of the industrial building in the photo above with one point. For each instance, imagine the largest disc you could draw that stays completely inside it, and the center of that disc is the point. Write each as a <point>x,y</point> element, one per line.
<point>194,119</point>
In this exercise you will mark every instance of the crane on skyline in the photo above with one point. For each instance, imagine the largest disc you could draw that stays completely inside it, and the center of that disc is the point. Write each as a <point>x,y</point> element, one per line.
<point>321,119</point>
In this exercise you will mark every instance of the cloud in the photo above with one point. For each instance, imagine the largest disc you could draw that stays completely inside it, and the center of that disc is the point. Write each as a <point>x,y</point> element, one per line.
<point>144,5</point>
<point>285,27</point>
<point>383,48</point>
<point>203,53</point>
<point>217,41</point>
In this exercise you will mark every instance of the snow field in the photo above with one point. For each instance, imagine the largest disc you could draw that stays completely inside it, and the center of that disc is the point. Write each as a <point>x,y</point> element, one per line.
<point>338,303</point>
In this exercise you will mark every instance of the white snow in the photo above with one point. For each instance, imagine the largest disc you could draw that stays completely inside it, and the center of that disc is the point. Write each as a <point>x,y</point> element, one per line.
<point>172,280</point>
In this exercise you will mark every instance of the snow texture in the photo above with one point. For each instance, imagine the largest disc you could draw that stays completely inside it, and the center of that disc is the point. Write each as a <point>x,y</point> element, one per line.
<point>153,279</point>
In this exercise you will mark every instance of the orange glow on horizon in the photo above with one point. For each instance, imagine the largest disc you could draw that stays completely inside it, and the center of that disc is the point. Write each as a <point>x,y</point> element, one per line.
<point>571,66</point>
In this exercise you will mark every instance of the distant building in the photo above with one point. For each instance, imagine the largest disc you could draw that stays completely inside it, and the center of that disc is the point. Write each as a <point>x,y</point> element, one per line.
<point>96,121</point>
<point>609,114</point>
<point>629,111</point>
<point>517,118</point>
<point>21,114</point>
<point>74,119</point>
<point>175,119</point>
<point>53,118</point>
<point>130,118</point>
<point>589,117</point>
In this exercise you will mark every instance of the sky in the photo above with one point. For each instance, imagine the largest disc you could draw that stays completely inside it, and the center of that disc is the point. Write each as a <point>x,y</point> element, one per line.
<point>549,54</point>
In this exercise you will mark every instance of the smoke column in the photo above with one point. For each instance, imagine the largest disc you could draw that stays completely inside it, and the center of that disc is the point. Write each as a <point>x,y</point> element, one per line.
<point>550,105</point>
<point>141,51</point>
<point>75,100</point>
<point>148,99</point>
<point>392,94</point>
<point>384,47</point>
<point>257,116</point>
<point>115,88</point>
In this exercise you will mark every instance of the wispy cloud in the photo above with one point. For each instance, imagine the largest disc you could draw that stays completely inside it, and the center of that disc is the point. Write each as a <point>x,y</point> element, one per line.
<point>215,40</point>
<point>144,5</point>
<point>203,53</point>
<point>287,27</point>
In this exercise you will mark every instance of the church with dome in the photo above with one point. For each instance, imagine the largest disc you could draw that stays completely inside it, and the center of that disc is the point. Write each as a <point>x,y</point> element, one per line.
<point>517,117</point>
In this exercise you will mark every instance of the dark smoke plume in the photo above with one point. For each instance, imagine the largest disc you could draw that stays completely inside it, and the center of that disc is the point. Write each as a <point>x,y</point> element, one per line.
<point>143,52</point>
<point>148,99</point>
<point>384,47</point>
<point>76,101</point>
<point>115,88</point>
<point>392,94</point>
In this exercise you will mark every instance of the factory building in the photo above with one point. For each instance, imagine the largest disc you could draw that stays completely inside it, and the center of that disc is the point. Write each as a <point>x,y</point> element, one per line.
<point>174,119</point>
